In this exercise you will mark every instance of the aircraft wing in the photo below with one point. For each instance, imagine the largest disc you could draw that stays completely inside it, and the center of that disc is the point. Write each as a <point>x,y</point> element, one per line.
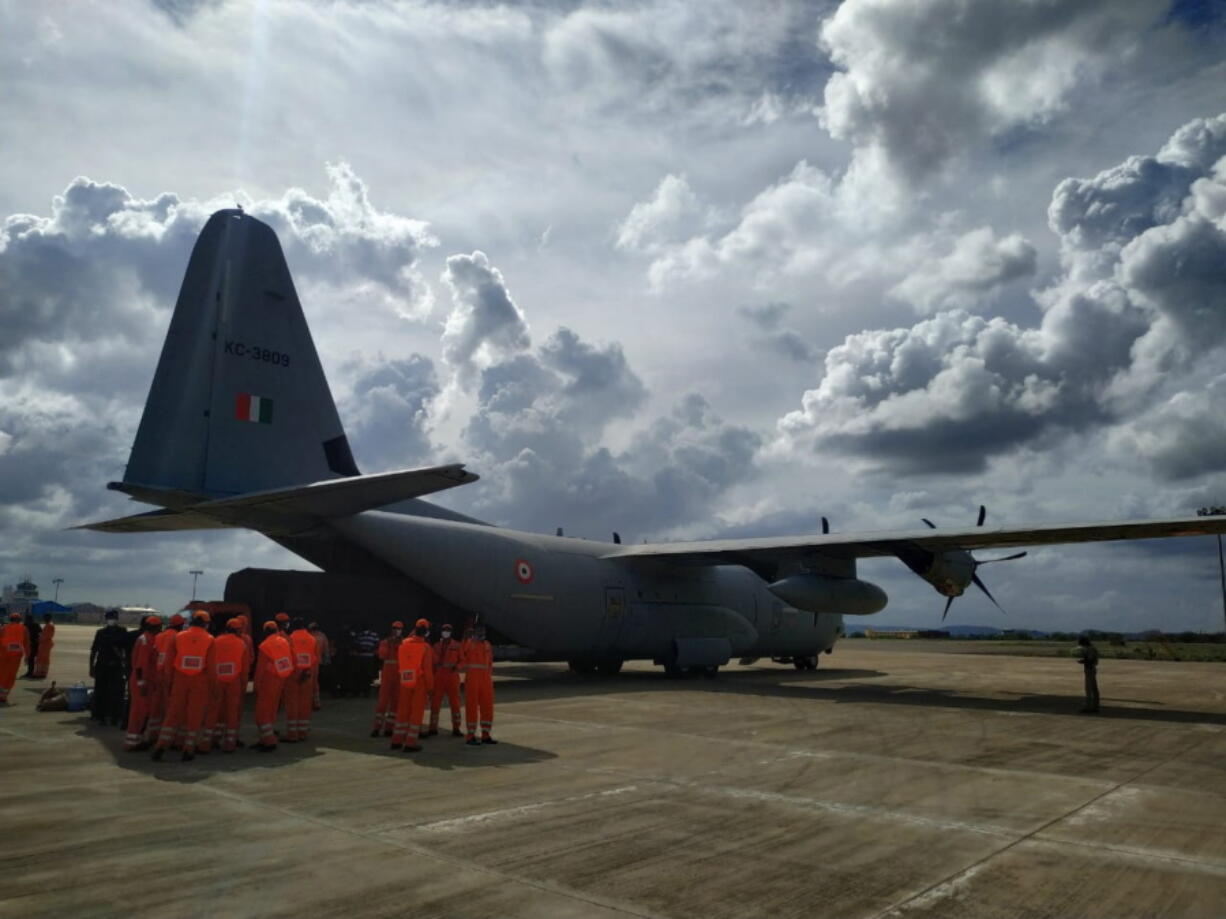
<point>759,552</point>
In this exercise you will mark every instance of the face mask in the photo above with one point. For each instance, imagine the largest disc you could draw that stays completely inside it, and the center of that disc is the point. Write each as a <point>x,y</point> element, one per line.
<point>395,633</point>
<point>421,633</point>
<point>446,634</point>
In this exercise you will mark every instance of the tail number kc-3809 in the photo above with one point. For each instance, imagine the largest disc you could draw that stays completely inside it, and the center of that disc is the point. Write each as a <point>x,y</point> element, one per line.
<point>268,356</point>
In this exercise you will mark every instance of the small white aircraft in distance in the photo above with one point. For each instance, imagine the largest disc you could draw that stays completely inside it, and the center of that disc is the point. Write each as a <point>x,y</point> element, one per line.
<point>240,430</point>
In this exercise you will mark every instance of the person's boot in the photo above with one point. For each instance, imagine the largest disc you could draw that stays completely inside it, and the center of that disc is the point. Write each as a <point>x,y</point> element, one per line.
<point>456,732</point>
<point>412,748</point>
<point>158,753</point>
<point>473,742</point>
<point>375,733</point>
<point>433,732</point>
<point>187,756</point>
<point>485,738</point>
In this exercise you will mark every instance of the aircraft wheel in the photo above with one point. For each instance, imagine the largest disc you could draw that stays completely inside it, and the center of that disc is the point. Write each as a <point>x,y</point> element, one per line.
<point>674,671</point>
<point>580,666</point>
<point>711,672</point>
<point>804,663</point>
<point>610,666</point>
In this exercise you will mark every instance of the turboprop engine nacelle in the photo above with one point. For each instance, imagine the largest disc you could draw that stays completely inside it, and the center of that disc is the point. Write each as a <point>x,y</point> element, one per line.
<point>819,593</point>
<point>951,572</point>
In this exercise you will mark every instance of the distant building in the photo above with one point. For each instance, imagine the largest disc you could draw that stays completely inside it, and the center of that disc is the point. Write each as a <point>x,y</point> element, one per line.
<point>21,596</point>
<point>891,633</point>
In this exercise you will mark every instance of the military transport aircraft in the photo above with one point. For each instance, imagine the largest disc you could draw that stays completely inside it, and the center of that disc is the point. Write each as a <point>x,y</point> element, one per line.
<point>240,430</point>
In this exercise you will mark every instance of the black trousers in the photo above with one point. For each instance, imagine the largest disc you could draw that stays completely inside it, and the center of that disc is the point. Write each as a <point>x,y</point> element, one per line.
<point>1091,689</point>
<point>108,695</point>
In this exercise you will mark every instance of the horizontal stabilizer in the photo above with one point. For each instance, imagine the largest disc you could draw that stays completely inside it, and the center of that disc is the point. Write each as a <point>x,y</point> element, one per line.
<point>344,497</point>
<point>290,508</point>
<point>155,522</point>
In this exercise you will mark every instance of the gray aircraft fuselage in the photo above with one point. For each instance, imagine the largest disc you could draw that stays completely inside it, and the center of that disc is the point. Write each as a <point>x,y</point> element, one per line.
<point>558,597</point>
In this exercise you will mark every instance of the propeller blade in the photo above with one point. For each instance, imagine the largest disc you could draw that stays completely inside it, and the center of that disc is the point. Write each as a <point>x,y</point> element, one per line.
<point>983,515</point>
<point>1007,558</point>
<point>825,526</point>
<point>983,587</point>
<point>931,525</point>
<point>948,604</point>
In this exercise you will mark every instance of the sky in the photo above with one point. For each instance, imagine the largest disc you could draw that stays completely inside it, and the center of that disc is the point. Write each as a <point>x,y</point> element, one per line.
<point>677,270</point>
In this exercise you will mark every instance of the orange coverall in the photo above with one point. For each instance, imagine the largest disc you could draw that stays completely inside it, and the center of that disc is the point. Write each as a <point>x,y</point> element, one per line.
<point>389,684</point>
<point>189,695</point>
<point>416,662</point>
<point>446,682</point>
<point>477,665</point>
<point>140,688</point>
<point>14,646</point>
<point>300,690</point>
<point>229,680</point>
<point>42,661</point>
<point>162,675</point>
<point>275,664</point>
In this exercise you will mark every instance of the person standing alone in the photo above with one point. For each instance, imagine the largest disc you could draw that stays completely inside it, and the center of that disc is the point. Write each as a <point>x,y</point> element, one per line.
<point>1087,654</point>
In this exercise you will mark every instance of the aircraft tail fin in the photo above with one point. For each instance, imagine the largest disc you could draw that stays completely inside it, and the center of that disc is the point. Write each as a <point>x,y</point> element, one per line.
<point>239,401</point>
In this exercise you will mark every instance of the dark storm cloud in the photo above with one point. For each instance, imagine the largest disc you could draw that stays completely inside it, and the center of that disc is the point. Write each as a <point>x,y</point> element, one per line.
<point>1144,249</point>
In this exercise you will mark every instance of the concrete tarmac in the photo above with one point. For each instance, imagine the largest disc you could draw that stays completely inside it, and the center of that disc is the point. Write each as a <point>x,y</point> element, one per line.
<point>884,784</point>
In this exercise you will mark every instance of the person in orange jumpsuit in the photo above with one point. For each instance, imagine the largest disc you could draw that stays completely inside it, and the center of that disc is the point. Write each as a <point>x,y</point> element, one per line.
<point>323,653</point>
<point>282,621</point>
<point>162,674</point>
<point>389,682</point>
<point>446,682</point>
<point>416,662</point>
<point>230,665</point>
<point>141,683</point>
<point>299,691</point>
<point>274,665</point>
<point>42,663</point>
<point>14,646</point>
<point>477,665</point>
<point>193,667</point>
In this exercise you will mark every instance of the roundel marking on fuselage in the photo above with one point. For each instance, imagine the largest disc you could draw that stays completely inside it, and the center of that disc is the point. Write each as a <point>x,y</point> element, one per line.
<point>523,571</point>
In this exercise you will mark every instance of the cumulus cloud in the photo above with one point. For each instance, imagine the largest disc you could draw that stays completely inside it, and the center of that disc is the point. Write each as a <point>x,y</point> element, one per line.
<point>387,412</point>
<point>918,82</point>
<point>1182,437</point>
<point>977,266</point>
<point>485,322</point>
<point>955,390</point>
<point>671,214</point>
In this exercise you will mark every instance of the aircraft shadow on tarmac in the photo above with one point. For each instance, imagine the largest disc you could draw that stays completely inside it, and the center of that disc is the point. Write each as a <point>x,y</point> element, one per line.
<point>445,753</point>
<point>540,683</point>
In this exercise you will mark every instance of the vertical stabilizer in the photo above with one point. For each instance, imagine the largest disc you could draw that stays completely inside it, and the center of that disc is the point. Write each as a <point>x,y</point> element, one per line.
<point>239,401</point>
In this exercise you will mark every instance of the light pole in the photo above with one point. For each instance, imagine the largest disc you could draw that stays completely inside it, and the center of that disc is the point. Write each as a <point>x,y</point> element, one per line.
<point>195,573</point>
<point>57,582</point>
<point>1221,560</point>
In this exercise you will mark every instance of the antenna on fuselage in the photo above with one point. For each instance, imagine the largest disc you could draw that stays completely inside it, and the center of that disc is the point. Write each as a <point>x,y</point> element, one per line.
<point>617,538</point>
<point>825,527</point>
<point>559,532</point>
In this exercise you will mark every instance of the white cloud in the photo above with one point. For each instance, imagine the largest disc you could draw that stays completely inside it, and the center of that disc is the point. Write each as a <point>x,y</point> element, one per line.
<point>920,81</point>
<point>978,264</point>
<point>485,323</point>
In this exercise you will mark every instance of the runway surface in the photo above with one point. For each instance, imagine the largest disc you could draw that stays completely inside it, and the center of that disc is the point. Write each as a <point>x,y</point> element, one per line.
<point>885,784</point>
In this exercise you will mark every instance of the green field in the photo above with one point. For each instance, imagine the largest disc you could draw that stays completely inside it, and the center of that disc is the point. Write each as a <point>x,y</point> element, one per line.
<point>1128,650</point>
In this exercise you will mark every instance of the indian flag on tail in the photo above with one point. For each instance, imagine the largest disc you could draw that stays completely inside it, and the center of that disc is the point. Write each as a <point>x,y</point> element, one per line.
<point>253,408</point>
